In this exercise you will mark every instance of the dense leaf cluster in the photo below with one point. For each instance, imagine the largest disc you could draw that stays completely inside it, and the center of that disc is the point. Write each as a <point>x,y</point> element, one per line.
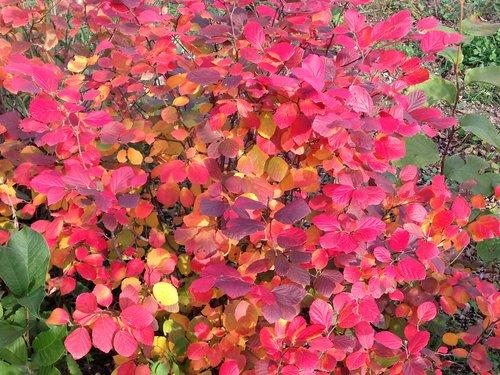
<point>234,186</point>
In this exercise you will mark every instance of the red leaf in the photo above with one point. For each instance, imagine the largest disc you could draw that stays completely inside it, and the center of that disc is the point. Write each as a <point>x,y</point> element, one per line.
<point>390,148</point>
<point>360,100</point>
<point>411,269</point>
<point>418,342</point>
<point>399,240</point>
<point>45,109</point>
<point>426,312</point>
<point>356,360</point>
<point>137,316</point>
<point>426,250</point>
<point>340,194</point>
<point>124,343</point>
<point>395,27</point>
<point>51,184</point>
<point>321,312</point>
<point>229,367</point>
<point>365,333</point>
<point>103,330</point>
<point>368,229</point>
<point>388,339</point>
<point>254,33</point>
<point>312,71</point>
<point>78,343</point>
<point>47,77</point>
<point>197,350</point>
<point>285,115</point>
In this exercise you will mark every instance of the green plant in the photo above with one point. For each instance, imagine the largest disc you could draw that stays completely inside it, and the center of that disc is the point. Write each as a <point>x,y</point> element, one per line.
<point>27,344</point>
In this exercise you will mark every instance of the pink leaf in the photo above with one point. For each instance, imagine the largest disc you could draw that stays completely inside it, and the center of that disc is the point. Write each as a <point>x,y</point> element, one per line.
<point>321,312</point>
<point>45,109</point>
<point>103,330</point>
<point>418,341</point>
<point>124,343</point>
<point>368,229</point>
<point>356,360</point>
<point>254,33</point>
<point>285,115</point>
<point>78,343</point>
<point>382,254</point>
<point>365,333</point>
<point>389,148</point>
<point>312,71</point>
<point>426,250</point>
<point>197,350</point>
<point>229,367</point>
<point>360,100</point>
<point>340,194</point>
<point>47,77</point>
<point>395,27</point>
<point>51,184</point>
<point>388,339</point>
<point>426,311</point>
<point>137,316</point>
<point>411,269</point>
<point>399,240</point>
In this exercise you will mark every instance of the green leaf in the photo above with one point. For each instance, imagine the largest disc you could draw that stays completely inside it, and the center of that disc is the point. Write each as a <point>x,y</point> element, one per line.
<point>73,367</point>
<point>160,368</point>
<point>32,301</point>
<point>6,369</point>
<point>489,250</point>
<point>48,346</point>
<point>48,370</point>
<point>486,183</point>
<point>482,128</point>
<point>487,74</point>
<point>9,333</point>
<point>453,55</point>
<point>456,169</point>
<point>474,26</point>
<point>420,151</point>
<point>24,262</point>
<point>15,353</point>
<point>437,89</point>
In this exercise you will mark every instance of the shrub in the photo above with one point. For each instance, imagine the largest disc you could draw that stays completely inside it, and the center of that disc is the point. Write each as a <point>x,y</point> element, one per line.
<point>233,186</point>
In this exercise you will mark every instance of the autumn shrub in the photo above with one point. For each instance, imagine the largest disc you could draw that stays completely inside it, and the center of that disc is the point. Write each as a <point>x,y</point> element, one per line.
<point>234,187</point>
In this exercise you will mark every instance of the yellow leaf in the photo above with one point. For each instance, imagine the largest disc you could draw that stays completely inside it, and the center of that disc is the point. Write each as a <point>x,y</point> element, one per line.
<point>134,156</point>
<point>180,101</point>
<point>176,80</point>
<point>184,264</point>
<point>158,147</point>
<point>205,108</point>
<point>253,162</point>
<point>277,168</point>
<point>78,64</point>
<point>121,156</point>
<point>450,339</point>
<point>267,126</point>
<point>165,294</point>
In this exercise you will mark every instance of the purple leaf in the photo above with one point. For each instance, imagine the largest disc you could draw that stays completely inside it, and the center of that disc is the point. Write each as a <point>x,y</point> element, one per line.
<point>293,212</point>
